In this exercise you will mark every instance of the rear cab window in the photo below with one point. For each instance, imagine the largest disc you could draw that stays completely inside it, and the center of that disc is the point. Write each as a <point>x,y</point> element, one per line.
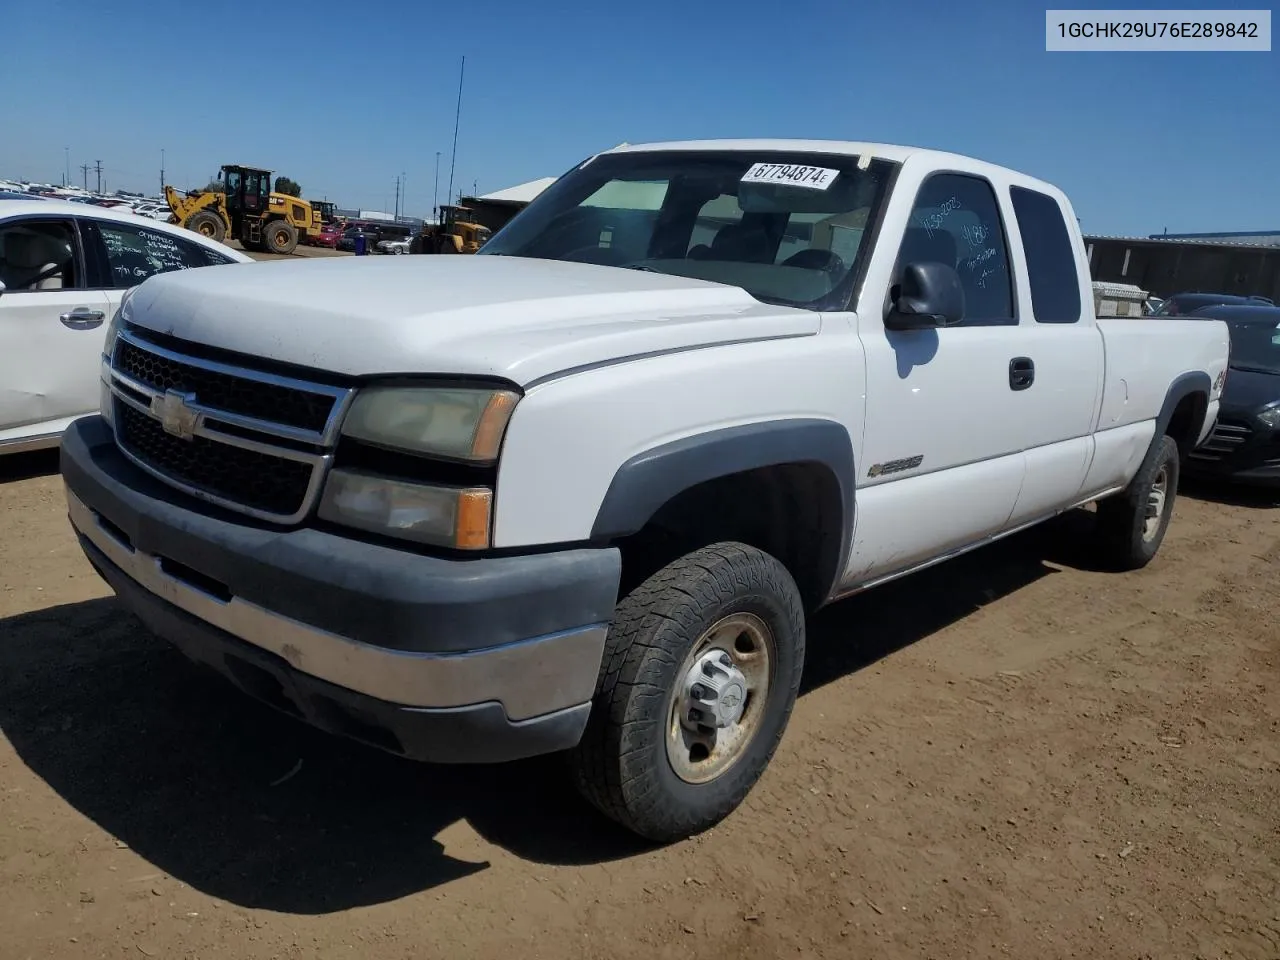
<point>1051,265</point>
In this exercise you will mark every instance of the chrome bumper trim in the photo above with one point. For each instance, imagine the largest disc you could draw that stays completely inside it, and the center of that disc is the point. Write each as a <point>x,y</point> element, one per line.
<point>529,678</point>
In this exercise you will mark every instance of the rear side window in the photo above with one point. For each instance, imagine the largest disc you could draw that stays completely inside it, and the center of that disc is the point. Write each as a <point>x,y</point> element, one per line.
<point>1051,264</point>
<point>136,253</point>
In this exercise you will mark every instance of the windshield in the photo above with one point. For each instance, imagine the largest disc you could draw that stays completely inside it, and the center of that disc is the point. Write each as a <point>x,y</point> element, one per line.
<point>787,228</point>
<point>1255,345</point>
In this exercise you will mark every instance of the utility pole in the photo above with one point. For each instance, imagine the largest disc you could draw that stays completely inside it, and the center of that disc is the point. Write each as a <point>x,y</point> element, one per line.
<point>99,165</point>
<point>435,191</point>
<point>397,212</point>
<point>84,168</point>
<point>456,118</point>
<point>162,171</point>
<point>66,159</point>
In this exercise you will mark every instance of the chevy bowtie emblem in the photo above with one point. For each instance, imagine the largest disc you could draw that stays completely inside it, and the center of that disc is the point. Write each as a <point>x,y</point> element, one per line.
<point>174,412</point>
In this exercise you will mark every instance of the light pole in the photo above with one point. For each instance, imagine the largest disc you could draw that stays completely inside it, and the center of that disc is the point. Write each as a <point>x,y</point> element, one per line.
<point>66,161</point>
<point>435,192</point>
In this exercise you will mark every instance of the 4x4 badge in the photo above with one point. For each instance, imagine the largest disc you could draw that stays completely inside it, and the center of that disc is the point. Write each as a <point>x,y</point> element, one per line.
<point>895,466</point>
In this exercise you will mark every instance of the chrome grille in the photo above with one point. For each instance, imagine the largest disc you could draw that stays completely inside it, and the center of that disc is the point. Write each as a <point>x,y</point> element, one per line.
<point>1226,437</point>
<point>247,440</point>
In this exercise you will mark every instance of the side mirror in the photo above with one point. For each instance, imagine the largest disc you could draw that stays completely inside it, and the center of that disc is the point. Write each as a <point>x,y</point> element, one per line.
<point>2,288</point>
<point>930,295</point>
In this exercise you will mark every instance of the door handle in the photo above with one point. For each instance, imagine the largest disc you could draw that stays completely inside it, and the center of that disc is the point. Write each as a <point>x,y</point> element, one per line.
<point>1022,373</point>
<point>82,318</point>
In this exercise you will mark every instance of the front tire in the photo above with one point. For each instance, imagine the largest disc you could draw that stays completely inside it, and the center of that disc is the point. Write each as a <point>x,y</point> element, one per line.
<point>1131,525</point>
<point>699,676</point>
<point>207,224</point>
<point>280,237</point>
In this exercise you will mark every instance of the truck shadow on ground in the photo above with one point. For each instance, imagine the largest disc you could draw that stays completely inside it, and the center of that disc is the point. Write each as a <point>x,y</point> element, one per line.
<point>27,466</point>
<point>183,769</point>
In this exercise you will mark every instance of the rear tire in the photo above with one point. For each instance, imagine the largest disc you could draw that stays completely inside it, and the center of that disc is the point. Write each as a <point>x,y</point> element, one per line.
<point>280,237</point>
<point>699,676</point>
<point>207,225</point>
<point>1131,525</point>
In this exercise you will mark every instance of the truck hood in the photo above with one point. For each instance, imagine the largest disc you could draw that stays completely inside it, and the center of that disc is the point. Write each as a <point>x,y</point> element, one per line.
<point>515,318</point>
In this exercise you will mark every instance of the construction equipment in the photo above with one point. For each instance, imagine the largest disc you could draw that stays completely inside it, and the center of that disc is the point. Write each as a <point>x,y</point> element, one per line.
<point>457,232</point>
<point>325,209</point>
<point>246,209</point>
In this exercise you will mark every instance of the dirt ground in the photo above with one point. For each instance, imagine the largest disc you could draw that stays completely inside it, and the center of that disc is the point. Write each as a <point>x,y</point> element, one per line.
<point>1010,755</point>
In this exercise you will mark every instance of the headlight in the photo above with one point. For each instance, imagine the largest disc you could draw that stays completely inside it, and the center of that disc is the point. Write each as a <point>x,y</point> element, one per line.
<point>117,318</point>
<point>442,516</point>
<point>1270,415</point>
<point>466,424</point>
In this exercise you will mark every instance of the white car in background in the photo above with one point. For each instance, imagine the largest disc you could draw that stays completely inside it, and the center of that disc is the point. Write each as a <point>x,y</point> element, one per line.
<point>394,246</point>
<point>64,269</point>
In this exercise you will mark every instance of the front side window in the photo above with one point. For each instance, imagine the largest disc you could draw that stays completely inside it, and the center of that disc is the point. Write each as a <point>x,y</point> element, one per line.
<point>136,253</point>
<point>956,221</point>
<point>38,254</point>
<point>787,228</point>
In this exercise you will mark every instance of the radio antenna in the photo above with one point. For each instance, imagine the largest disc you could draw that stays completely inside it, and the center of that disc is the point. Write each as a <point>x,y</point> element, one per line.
<point>456,118</point>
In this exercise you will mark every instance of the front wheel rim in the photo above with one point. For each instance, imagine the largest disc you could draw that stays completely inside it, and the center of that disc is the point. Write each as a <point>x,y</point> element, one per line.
<point>1157,501</point>
<point>719,698</point>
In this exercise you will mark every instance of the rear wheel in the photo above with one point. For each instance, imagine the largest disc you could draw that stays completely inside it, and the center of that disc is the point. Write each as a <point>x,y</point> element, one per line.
<point>207,225</point>
<point>280,237</point>
<point>698,680</point>
<point>1132,524</point>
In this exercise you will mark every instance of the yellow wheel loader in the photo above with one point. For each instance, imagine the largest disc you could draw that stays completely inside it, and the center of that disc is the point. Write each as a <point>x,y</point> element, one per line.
<point>456,233</point>
<point>245,209</point>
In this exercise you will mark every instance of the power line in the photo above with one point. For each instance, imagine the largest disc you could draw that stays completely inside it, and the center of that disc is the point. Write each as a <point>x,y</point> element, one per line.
<point>99,163</point>
<point>84,168</point>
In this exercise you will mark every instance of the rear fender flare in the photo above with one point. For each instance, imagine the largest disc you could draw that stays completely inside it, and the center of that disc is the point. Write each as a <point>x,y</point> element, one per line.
<point>1182,387</point>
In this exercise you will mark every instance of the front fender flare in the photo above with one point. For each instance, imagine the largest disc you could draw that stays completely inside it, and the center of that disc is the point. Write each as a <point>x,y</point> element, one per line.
<point>645,482</point>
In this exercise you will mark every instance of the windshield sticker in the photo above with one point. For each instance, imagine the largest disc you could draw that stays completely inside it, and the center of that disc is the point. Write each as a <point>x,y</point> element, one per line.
<point>791,175</point>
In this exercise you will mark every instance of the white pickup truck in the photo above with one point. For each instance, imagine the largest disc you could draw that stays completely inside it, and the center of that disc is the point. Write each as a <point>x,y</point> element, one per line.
<point>579,492</point>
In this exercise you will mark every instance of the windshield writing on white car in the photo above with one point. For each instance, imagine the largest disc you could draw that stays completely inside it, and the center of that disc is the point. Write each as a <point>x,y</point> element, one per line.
<point>788,229</point>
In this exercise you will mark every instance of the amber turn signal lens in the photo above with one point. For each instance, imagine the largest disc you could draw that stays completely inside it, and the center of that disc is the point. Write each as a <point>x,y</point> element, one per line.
<point>475,509</point>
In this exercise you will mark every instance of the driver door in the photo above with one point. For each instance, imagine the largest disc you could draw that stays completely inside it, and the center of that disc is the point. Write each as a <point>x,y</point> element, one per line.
<point>51,328</point>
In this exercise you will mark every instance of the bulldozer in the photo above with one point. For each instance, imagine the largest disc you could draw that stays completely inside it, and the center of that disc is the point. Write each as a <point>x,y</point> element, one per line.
<point>246,209</point>
<point>457,232</point>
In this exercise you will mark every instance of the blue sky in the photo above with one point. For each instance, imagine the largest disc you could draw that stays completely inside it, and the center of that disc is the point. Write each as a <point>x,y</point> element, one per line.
<point>342,97</point>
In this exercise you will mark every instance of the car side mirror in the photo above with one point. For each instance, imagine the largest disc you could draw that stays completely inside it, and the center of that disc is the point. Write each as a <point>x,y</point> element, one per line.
<point>2,288</point>
<point>930,295</point>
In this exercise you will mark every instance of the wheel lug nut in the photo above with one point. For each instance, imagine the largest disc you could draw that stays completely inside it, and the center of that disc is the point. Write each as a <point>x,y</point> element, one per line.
<point>726,660</point>
<point>697,692</point>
